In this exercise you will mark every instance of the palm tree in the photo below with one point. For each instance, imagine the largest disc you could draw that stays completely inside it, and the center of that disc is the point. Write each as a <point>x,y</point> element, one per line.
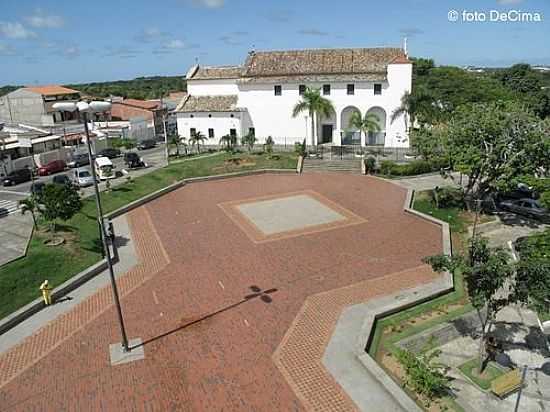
<point>175,141</point>
<point>315,104</point>
<point>414,104</point>
<point>196,139</point>
<point>30,204</point>
<point>367,124</point>
<point>229,141</point>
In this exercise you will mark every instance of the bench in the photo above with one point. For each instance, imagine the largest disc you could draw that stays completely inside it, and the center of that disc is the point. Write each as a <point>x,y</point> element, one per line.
<point>507,383</point>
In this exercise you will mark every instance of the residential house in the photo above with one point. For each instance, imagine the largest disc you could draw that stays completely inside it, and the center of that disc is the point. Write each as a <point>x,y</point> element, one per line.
<point>33,105</point>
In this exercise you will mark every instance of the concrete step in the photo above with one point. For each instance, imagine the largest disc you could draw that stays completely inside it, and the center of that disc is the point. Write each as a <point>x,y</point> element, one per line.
<point>345,165</point>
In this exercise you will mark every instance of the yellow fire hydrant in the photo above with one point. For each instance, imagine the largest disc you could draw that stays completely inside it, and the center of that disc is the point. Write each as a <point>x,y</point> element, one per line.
<point>46,292</point>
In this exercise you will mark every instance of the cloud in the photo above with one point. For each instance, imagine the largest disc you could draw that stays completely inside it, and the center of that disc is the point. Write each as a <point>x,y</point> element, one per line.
<point>508,2</point>
<point>175,44</point>
<point>7,50</point>
<point>411,31</point>
<point>15,31</point>
<point>210,4</point>
<point>123,52</point>
<point>39,19</point>
<point>233,38</point>
<point>313,32</point>
<point>150,34</point>
<point>279,16</point>
<point>69,52</point>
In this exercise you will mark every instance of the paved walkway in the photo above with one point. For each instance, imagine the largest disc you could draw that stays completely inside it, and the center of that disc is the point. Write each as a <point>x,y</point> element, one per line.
<point>15,233</point>
<point>128,259</point>
<point>208,337</point>
<point>427,182</point>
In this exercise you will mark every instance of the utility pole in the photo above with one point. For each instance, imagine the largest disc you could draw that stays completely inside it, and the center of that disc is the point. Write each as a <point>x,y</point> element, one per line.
<point>164,115</point>
<point>106,249</point>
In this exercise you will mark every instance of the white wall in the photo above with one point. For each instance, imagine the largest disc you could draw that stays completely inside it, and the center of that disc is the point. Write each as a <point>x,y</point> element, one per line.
<point>220,122</point>
<point>216,87</point>
<point>271,115</point>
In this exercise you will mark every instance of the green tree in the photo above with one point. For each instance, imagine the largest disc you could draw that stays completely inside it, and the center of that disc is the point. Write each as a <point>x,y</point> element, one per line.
<point>31,205</point>
<point>229,142</point>
<point>249,140</point>
<point>366,125</point>
<point>268,145</point>
<point>316,105</point>
<point>174,140</point>
<point>487,273</point>
<point>494,143</point>
<point>59,202</point>
<point>417,105</point>
<point>196,139</point>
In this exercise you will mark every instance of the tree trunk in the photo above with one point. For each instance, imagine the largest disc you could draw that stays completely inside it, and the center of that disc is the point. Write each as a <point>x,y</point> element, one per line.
<point>312,115</point>
<point>33,219</point>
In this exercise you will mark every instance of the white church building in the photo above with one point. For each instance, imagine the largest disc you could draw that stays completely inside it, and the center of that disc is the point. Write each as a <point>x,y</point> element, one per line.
<point>259,96</point>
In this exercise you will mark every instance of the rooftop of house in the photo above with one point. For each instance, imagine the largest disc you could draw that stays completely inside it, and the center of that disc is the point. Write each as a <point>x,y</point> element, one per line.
<point>51,90</point>
<point>142,104</point>
<point>309,64</point>
<point>208,104</point>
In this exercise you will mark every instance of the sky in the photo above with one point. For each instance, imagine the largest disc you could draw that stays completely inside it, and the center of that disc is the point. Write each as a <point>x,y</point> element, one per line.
<point>47,41</point>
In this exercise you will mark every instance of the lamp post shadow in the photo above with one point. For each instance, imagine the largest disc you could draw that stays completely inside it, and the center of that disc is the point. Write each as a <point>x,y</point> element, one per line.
<point>263,295</point>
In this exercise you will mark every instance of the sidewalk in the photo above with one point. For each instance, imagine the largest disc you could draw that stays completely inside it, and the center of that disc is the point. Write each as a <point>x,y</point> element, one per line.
<point>127,259</point>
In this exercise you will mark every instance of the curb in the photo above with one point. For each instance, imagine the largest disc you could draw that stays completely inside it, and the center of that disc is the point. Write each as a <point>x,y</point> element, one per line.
<point>37,305</point>
<point>79,279</point>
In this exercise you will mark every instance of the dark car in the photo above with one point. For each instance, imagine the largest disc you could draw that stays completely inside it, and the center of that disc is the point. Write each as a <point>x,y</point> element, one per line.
<point>52,167</point>
<point>526,207</point>
<point>61,180</point>
<point>79,160</point>
<point>146,144</point>
<point>17,176</point>
<point>133,160</point>
<point>109,153</point>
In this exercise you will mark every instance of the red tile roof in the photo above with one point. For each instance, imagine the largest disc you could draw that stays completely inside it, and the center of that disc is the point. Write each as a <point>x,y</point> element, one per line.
<point>50,90</point>
<point>143,104</point>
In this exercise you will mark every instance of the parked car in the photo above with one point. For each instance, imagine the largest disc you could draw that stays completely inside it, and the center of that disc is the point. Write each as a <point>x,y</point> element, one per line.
<point>61,180</point>
<point>526,207</point>
<point>52,167</point>
<point>17,176</point>
<point>79,160</point>
<point>83,177</point>
<point>133,160</point>
<point>146,144</point>
<point>109,152</point>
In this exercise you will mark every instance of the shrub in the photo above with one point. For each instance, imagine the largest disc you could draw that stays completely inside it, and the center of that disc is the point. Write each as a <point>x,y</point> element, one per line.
<point>416,167</point>
<point>448,197</point>
<point>300,148</point>
<point>370,164</point>
<point>423,376</point>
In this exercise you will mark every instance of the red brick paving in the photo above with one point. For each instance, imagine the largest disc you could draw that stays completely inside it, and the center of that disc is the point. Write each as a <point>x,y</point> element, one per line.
<point>224,362</point>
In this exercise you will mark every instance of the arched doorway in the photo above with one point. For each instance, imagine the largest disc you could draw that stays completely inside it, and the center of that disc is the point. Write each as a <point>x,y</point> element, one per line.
<point>377,138</point>
<point>326,126</point>
<point>350,135</point>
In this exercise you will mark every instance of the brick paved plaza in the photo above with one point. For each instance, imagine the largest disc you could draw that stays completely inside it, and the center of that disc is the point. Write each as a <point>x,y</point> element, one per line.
<point>200,252</point>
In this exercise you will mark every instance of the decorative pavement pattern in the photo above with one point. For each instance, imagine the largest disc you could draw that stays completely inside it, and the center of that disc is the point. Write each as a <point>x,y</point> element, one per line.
<point>209,342</point>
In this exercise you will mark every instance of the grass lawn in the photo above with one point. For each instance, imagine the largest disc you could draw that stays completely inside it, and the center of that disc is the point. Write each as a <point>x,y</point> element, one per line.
<point>491,372</point>
<point>20,279</point>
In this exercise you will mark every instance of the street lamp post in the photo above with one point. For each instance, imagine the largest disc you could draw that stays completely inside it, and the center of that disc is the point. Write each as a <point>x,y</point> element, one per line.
<point>84,109</point>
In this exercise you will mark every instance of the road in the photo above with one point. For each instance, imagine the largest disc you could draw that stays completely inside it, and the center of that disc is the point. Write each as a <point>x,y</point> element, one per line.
<point>153,157</point>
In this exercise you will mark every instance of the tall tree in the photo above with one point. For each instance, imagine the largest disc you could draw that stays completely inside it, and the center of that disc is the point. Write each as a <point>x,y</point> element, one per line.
<point>60,202</point>
<point>30,205</point>
<point>249,140</point>
<point>366,125</point>
<point>316,105</point>
<point>196,139</point>
<point>492,144</point>
<point>419,105</point>
<point>487,273</point>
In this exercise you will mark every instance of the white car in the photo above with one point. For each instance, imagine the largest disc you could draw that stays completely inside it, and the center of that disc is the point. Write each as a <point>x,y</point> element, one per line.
<point>83,177</point>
